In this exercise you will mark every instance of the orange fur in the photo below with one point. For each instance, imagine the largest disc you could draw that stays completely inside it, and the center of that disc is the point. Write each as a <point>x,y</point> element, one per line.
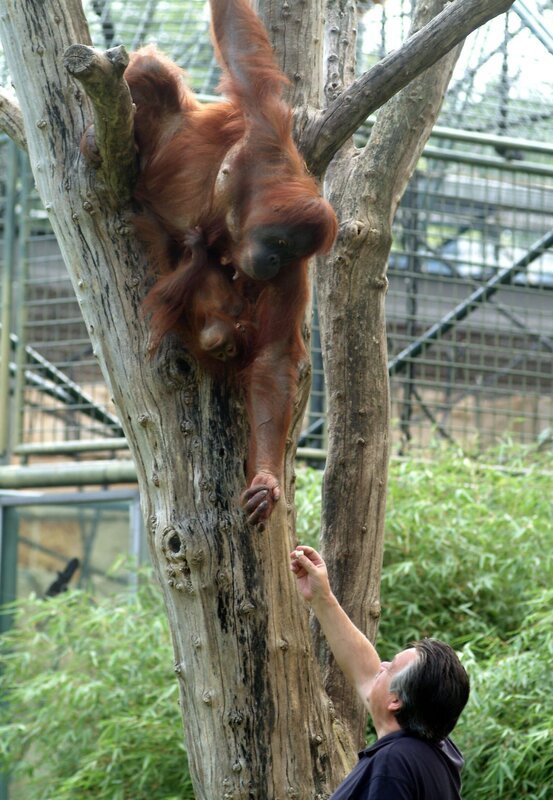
<point>223,187</point>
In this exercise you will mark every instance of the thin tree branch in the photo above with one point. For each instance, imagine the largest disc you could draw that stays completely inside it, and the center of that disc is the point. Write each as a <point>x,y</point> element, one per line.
<point>329,130</point>
<point>11,119</point>
<point>110,143</point>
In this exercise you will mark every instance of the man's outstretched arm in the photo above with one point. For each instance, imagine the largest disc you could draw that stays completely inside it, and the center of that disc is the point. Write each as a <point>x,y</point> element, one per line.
<point>355,655</point>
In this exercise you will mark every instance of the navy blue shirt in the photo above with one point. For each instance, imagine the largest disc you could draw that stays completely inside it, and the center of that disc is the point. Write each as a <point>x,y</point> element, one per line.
<point>400,766</point>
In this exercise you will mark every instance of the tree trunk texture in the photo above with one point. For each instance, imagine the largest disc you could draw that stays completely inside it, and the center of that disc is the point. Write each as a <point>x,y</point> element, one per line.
<point>258,722</point>
<point>366,187</point>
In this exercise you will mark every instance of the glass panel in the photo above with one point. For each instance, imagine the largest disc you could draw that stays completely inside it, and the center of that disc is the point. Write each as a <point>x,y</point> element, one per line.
<point>49,537</point>
<point>47,546</point>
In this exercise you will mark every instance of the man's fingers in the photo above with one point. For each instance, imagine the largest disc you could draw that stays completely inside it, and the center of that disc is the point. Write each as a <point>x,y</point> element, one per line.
<point>303,550</point>
<point>301,558</point>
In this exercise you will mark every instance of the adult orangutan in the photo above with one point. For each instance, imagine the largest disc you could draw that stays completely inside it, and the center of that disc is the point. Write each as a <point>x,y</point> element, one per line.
<point>230,218</point>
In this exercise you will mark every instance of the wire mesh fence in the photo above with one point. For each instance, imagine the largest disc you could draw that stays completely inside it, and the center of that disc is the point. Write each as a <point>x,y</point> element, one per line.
<point>469,307</point>
<point>470,311</point>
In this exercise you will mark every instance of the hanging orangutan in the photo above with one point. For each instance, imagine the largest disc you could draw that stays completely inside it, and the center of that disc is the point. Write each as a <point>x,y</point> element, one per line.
<point>230,218</point>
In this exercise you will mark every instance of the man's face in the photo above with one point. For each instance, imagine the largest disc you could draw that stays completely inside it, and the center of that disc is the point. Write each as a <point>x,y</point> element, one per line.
<point>382,702</point>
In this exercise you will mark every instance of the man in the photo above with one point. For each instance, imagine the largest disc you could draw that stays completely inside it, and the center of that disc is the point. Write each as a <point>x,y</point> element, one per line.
<point>414,701</point>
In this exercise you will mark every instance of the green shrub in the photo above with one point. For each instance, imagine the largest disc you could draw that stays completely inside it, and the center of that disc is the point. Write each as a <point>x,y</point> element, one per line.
<point>308,505</point>
<point>91,702</point>
<point>465,545</point>
<point>506,730</point>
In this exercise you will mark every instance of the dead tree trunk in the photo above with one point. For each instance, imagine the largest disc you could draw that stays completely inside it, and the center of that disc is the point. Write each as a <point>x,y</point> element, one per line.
<point>250,684</point>
<point>366,185</point>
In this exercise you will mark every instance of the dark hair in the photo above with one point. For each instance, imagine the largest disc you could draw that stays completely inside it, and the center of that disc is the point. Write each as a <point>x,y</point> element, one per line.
<point>433,690</point>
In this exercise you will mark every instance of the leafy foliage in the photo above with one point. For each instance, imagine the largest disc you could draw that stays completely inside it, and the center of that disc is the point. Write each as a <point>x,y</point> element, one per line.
<point>308,505</point>
<point>91,700</point>
<point>506,730</point>
<point>465,546</point>
<point>466,543</point>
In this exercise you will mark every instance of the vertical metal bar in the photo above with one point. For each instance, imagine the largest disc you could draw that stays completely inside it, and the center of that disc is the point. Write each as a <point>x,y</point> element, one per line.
<point>20,304</point>
<point>317,410</point>
<point>413,235</point>
<point>7,281</point>
<point>8,564</point>
<point>136,539</point>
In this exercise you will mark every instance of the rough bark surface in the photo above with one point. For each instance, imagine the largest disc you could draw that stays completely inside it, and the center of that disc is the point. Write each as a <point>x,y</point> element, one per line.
<point>424,47</point>
<point>11,120</point>
<point>248,679</point>
<point>101,75</point>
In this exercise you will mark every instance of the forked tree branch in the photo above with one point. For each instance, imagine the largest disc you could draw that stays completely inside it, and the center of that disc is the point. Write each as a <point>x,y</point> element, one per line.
<point>328,131</point>
<point>110,143</point>
<point>11,119</point>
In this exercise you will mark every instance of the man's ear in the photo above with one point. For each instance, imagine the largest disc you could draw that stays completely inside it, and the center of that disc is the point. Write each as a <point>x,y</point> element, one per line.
<point>394,704</point>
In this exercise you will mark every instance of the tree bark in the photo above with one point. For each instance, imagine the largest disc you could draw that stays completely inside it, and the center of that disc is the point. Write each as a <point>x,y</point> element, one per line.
<point>366,186</point>
<point>248,680</point>
<point>112,148</point>
<point>424,47</point>
<point>11,120</point>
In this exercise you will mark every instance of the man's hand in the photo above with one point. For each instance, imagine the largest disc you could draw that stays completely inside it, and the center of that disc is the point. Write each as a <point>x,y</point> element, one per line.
<point>311,574</point>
